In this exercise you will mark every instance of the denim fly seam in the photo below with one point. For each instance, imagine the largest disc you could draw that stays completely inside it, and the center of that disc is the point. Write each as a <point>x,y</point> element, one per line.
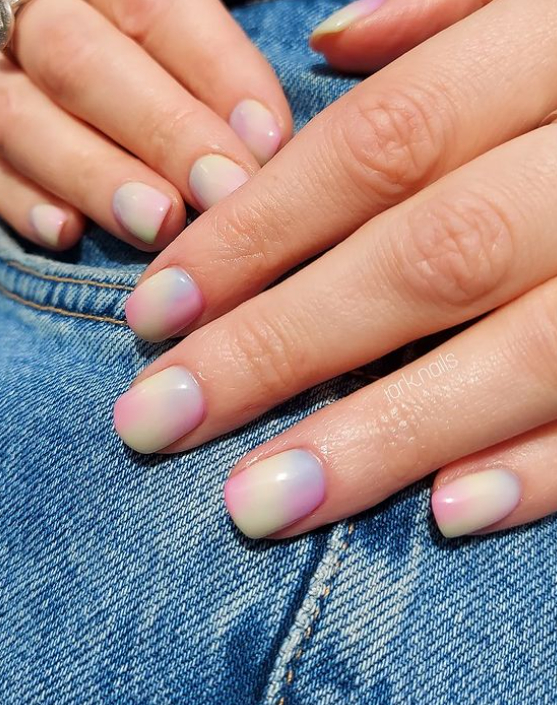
<point>297,642</point>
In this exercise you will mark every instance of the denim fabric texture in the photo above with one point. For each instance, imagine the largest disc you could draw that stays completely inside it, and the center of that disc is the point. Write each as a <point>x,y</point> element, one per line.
<point>122,579</point>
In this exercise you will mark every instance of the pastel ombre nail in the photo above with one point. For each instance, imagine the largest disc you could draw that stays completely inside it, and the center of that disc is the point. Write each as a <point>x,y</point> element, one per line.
<point>47,222</point>
<point>165,304</point>
<point>275,492</point>
<point>155,413</point>
<point>257,127</point>
<point>141,209</point>
<point>341,20</point>
<point>214,177</point>
<point>475,501</point>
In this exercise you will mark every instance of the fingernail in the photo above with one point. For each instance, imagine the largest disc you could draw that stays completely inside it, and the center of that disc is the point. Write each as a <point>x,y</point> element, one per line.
<point>475,501</point>
<point>160,410</point>
<point>165,304</point>
<point>214,177</point>
<point>141,209</point>
<point>256,126</point>
<point>275,492</point>
<point>342,19</point>
<point>48,221</point>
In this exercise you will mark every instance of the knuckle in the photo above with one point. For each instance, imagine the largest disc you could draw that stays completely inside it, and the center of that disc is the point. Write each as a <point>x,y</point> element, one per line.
<point>247,246</point>
<point>164,124</point>
<point>457,252</point>
<point>138,18</point>
<point>269,352</point>
<point>61,63</point>
<point>391,144</point>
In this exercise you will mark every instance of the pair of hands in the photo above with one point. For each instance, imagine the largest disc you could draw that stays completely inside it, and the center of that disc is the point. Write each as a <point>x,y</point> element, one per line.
<point>431,185</point>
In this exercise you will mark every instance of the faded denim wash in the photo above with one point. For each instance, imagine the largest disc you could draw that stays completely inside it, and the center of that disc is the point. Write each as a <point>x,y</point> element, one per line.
<point>123,581</point>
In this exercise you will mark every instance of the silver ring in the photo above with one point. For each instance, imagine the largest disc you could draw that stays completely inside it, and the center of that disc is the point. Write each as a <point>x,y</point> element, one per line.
<point>8,8</point>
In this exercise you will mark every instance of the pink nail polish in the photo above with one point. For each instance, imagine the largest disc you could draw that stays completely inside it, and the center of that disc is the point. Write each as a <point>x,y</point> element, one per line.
<point>141,210</point>
<point>257,127</point>
<point>473,502</point>
<point>276,492</point>
<point>155,413</point>
<point>214,177</point>
<point>48,222</point>
<point>341,20</point>
<point>163,305</point>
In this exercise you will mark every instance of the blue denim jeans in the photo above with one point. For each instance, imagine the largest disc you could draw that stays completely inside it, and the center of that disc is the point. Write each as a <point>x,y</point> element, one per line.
<point>122,579</point>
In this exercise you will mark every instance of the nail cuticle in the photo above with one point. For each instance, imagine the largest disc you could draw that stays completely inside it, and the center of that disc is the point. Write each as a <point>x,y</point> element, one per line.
<point>213,177</point>
<point>275,492</point>
<point>258,128</point>
<point>164,304</point>
<point>475,501</point>
<point>346,16</point>
<point>48,222</point>
<point>158,411</point>
<point>141,210</point>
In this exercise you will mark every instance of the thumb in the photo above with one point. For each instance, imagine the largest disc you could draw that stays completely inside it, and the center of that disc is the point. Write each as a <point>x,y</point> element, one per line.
<point>367,34</point>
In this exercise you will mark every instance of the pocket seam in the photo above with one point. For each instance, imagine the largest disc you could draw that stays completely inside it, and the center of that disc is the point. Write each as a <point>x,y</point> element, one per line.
<point>61,311</point>
<point>65,280</point>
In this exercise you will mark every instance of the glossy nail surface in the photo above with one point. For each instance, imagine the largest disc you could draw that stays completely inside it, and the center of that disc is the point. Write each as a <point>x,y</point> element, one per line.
<point>160,410</point>
<point>275,492</point>
<point>475,501</point>
<point>47,222</point>
<point>141,210</point>
<point>214,177</point>
<point>342,19</point>
<point>163,305</point>
<point>257,127</point>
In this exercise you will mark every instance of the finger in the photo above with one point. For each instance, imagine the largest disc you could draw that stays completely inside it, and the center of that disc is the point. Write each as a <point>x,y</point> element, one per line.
<point>36,214</point>
<point>471,242</point>
<point>153,116</point>
<point>190,39</point>
<point>68,159</point>
<point>508,485</point>
<point>417,119</point>
<point>449,404</point>
<point>368,34</point>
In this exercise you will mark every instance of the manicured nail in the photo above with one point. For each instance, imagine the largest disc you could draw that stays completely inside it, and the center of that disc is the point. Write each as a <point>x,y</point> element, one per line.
<point>256,126</point>
<point>342,19</point>
<point>275,492</point>
<point>165,304</point>
<point>48,221</point>
<point>160,410</point>
<point>475,501</point>
<point>141,209</point>
<point>214,177</point>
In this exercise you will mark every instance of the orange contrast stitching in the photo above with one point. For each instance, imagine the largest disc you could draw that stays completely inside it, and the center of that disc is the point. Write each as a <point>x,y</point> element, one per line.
<point>66,280</point>
<point>61,311</point>
<point>289,677</point>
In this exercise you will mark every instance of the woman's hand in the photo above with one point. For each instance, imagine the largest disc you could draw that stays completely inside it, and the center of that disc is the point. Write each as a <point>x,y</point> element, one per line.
<point>120,109</point>
<point>451,133</point>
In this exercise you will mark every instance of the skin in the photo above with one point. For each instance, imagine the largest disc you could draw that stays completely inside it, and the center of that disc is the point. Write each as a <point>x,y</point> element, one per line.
<point>437,213</point>
<point>120,130</point>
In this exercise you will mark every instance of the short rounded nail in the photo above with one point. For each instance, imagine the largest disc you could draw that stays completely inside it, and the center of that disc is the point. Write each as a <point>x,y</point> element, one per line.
<point>342,19</point>
<point>160,410</point>
<point>141,210</point>
<point>475,501</point>
<point>214,177</point>
<point>48,221</point>
<point>276,492</point>
<point>163,305</point>
<point>257,127</point>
